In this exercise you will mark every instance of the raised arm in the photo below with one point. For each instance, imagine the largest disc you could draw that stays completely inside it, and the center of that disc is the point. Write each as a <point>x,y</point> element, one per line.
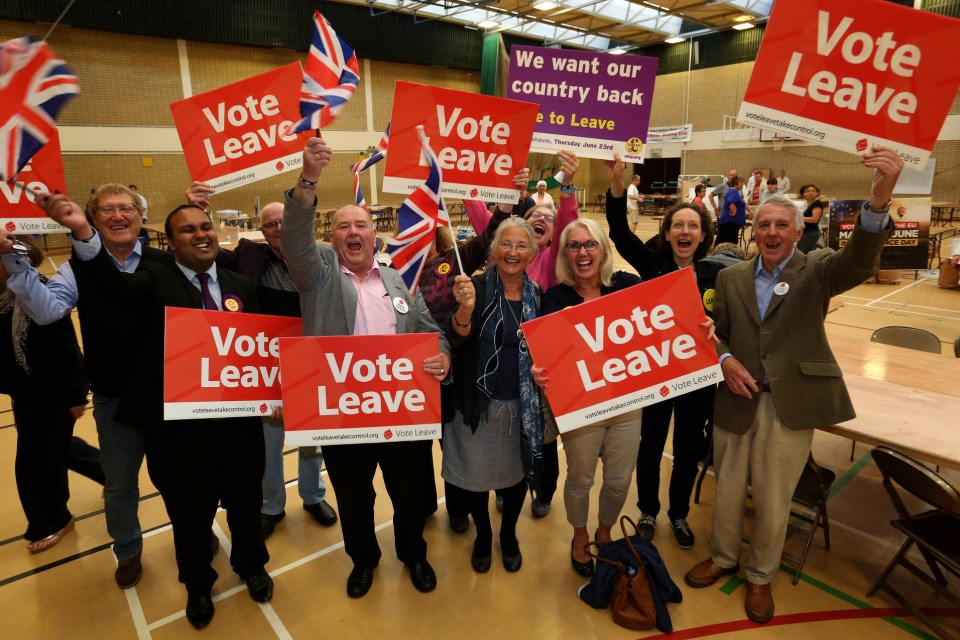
<point>298,231</point>
<point>628,245</point>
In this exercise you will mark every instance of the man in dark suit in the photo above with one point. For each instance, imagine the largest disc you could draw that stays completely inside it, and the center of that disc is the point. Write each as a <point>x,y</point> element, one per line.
<point>196,464</point>
<point>782,380</point>
<point>343,291</point>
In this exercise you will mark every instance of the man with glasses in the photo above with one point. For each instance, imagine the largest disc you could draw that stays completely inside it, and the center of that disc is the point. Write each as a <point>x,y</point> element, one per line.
<point>266,266</point>
<point>116,214</point>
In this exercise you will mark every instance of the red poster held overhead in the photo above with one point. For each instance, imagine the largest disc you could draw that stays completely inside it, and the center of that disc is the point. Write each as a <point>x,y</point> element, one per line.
<point>351,389</point>
<point>44,172</point>
<point>480,141</point>
<point>849,74</point>
<point>238,134</point>
<point>624,351</point>
<point>222,364</point>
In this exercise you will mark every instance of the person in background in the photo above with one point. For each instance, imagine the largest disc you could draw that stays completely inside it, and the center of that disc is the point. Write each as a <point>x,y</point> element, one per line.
<point>493,436</point>
<point>775,358</point>
<point>265,265</point>
<point>755,187</point>
<point>698,192</point>
<point>686,235</point>
<point>733,215</point>
<point>41,369</point>
<point>770,191</point>
<point>811,218</point>
<point>143,203</point>
<point>634,200</point>
<point>783,182</point>
<point>541,197</point>
<point>585,271</point>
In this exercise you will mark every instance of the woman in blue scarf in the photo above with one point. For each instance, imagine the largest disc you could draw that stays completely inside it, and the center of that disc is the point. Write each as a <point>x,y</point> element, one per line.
<point>493,435</point>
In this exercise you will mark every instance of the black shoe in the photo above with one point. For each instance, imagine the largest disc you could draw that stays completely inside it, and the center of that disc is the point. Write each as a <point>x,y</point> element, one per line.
<point>481,558</point>
<point>268,522</point>
<point>129,571</point>
<point>359,582</point>
<point>512,558</point>
<point>584,569</point>
<point>499,503</point>
<point>322,513</point>
<point>459,524</point>
<point>260,586</point>
<point>647,526</point>
<point>422,576</point>
<point>199,610</point>
<point>683,534</point>
<point>539,508</point>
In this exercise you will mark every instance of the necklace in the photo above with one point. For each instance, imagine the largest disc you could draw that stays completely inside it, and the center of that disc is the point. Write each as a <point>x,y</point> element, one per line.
<point>510,307</point>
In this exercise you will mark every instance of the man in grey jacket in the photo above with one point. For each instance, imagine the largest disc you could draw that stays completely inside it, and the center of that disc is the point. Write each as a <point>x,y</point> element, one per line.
<point>343,291</point>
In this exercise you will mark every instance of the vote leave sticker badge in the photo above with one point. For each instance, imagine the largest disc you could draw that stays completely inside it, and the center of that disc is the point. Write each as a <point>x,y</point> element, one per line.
<point>44,172</point>
<point>238,134</point>
<point>222,364</point>
<point>351,389</point>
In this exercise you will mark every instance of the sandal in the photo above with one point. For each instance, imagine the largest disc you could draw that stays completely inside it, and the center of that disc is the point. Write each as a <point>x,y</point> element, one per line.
<point>50,541</point>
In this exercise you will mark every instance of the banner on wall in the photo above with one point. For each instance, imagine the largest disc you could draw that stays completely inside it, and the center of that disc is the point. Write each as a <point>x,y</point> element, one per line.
<point>44,172</point>
<point>908,245</point>
<point>594,104</point>
<point>238,134</point>
<point>352,389</point>
<point>480,141</point>
<point>849,74</point>
<point>625,351</point>
<point>679,133</point>
<point>222,364</point>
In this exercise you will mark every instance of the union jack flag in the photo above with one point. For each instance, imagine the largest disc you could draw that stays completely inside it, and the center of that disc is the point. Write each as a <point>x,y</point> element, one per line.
<point>366,163</point>
<point>417,219</point>
<point>330,79</point>
<point>34,85</point>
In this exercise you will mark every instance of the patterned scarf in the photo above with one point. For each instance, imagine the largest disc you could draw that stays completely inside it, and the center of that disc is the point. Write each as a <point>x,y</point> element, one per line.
<point>491,341</point>
<point>20,324</point>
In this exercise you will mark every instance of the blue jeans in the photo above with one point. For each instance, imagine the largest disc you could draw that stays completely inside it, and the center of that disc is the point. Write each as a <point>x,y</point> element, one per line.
<point>121,455</point>
<point>310,484</point>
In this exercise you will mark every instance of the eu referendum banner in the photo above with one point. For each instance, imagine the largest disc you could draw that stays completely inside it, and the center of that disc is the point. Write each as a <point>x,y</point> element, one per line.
<point>624,351</point>
<point>222,364</point>
<point>351,389</point>
<point>849,74</point>
<point>594,104</point>
<point>44,172</point>
<point>480,141</point>
<point>238,134</point>
<point>908,245</point>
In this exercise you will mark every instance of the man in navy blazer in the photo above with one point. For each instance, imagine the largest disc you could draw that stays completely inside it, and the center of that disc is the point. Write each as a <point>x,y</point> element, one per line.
<point>781,379</point>
<point>196,464</point>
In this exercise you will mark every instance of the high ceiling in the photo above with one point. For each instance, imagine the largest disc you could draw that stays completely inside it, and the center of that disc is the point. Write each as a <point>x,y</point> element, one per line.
<point>591,24</point>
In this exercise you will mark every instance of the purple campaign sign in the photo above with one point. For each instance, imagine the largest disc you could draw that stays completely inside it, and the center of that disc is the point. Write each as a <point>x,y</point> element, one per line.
<point>595,104</point>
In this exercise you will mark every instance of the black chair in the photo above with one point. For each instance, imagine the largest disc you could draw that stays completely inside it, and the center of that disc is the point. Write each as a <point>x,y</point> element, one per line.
<point>935,532</point>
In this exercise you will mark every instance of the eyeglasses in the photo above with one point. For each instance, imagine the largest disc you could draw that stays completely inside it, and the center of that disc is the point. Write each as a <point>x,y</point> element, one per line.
<point>519,247</point>
<point>108,209</point>
<point>539,215</point>
<point>270,225</point>
<point>589,245</point>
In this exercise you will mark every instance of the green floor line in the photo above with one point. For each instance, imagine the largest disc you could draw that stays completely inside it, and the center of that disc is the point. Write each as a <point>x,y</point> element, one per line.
<point>842,481</point>
<point>731,585</point>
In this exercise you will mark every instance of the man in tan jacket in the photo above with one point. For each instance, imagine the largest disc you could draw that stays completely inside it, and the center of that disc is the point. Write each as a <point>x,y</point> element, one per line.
<point>781,379</point>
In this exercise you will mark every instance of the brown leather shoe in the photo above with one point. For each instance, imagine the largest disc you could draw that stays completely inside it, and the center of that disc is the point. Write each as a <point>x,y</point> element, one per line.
<point>759,602</point>
<point>706,573</point>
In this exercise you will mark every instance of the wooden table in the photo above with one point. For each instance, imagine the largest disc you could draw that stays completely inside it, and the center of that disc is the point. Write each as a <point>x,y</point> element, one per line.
<point>940,211</point>
<point>906,399</point>
<point>937,236</point>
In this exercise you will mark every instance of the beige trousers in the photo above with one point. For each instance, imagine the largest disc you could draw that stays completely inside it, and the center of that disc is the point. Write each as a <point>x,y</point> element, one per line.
<point>769,458</point>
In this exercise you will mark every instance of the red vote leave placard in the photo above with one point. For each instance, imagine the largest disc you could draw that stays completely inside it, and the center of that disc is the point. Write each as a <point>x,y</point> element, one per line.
<point>352,389</point>
<point>237,134</point>
<point>222,364</point>
<point>852,73</point>
<point>44,172</point>
<point>480,141</point>
<point>624,351</point>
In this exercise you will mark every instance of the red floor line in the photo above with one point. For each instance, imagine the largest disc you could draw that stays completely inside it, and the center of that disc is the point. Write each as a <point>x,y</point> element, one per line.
<point>798,618</point>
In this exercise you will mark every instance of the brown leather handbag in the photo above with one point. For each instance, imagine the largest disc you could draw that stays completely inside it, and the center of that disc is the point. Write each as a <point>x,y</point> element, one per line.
<point>631,599</point>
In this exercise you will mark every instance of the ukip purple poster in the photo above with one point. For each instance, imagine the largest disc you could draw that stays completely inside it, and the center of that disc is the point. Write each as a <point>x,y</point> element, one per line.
<point>594,104</point>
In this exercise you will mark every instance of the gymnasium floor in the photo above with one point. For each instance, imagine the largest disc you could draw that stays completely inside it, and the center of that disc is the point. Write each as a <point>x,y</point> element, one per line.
<point>69,591</point>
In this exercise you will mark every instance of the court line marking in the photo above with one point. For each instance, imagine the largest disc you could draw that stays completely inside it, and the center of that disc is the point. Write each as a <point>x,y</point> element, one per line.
<point>893,293</point>
<point>903,311</point>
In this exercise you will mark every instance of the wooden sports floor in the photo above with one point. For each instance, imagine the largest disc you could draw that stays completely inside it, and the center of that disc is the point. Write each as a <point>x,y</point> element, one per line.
<point>69,591</point>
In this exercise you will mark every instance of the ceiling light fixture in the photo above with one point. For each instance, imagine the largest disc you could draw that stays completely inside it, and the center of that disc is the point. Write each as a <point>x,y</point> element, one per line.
<point>546,5</point>
<point>489,24</point>
<point>743,17</point>
<point>675,40</point>
<point>743,25</point>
